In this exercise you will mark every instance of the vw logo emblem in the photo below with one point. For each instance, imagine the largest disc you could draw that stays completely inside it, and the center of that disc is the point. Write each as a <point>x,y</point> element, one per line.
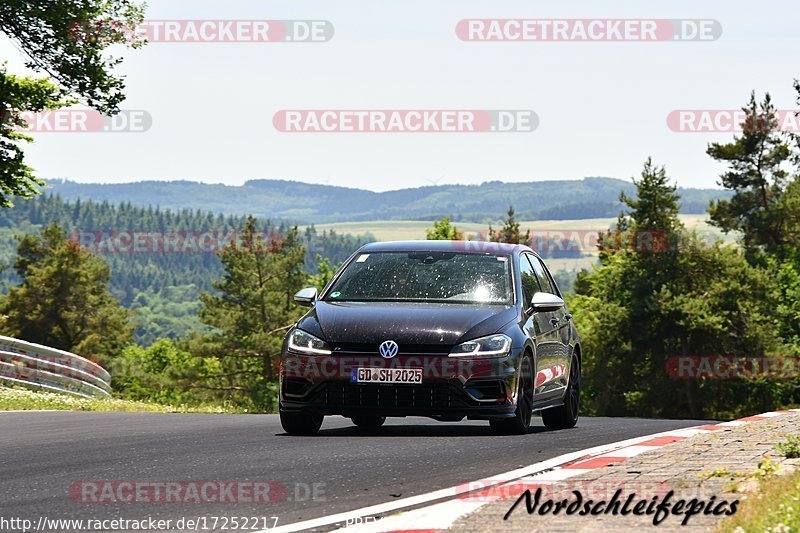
<point>388,349</point>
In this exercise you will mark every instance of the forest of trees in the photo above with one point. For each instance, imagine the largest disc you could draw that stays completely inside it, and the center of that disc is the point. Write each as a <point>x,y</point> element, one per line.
<point>637,310</point>
<point>163,288</point>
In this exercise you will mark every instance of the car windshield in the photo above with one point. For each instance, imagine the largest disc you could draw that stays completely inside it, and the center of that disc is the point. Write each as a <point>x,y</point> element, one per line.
<point>450,277</point>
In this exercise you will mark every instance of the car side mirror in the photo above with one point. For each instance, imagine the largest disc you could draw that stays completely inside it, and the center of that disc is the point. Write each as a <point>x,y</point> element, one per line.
<point>306,297</point>
<point>544,302</point>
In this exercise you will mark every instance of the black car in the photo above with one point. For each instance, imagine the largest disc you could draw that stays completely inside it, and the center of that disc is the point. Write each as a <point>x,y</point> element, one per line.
<point>443,329</point>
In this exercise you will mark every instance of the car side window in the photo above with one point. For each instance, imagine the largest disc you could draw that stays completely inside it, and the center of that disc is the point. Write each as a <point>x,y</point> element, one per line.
<point>552,280</point>
<point>544,279</point>
<point>530,282</point>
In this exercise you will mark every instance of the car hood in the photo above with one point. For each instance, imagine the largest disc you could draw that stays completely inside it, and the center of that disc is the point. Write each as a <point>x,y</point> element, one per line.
<point>405,323</point>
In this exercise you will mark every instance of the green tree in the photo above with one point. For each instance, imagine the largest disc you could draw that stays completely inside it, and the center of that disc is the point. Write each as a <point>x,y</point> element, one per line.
<point>651,222</point>
<point>786,276</point>
<point>164,373</point>
<point>148,374</point>
<point>20,93</point>
<point>641,306</point>
<point>443,230</point>
<point>510,232</point>
<point>63,300</point>
<point>252,310</point>
<point>794,136</point>
<point>717,304</point>
<point>758,177</point>
<point>325,273</point>
<point>656,203</point>
<point>68,41</point>
<point>764,175</point>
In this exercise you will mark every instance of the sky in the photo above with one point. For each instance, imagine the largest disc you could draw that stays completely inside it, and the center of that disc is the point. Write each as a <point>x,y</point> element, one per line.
<point>602,107</point>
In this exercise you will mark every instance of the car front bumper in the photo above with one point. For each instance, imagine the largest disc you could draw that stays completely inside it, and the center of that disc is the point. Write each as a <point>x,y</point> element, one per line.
<point>451,389</point>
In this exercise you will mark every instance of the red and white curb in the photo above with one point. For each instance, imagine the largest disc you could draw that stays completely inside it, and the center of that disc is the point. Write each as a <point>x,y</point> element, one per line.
<point>430,516</point>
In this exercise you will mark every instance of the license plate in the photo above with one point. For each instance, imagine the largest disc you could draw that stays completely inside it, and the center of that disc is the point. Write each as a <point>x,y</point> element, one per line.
<point>386,375</point>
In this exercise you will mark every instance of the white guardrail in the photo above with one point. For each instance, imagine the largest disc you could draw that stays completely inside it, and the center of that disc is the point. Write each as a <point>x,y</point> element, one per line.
<point>41,367</point>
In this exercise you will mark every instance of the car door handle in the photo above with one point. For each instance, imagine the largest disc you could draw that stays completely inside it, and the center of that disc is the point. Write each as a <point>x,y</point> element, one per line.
<point>554,321</point>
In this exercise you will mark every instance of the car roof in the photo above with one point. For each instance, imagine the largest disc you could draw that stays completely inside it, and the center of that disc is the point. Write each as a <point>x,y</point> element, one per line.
<point>486,247</point>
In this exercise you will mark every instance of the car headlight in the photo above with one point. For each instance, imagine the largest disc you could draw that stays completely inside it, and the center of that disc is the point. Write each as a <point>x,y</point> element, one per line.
<point>492,346</point>
<point>306,343</point>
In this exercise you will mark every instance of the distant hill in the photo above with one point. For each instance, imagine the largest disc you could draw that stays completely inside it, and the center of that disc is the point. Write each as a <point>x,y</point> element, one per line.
<point>594,197</point>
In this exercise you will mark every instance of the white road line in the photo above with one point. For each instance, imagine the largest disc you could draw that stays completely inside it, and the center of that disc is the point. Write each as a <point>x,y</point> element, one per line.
<point>452,492</point>
<point>438,516</point>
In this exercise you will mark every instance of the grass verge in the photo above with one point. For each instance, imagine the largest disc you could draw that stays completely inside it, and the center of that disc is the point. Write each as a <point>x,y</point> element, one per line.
<point>27,400</point>
<point>775,507</point>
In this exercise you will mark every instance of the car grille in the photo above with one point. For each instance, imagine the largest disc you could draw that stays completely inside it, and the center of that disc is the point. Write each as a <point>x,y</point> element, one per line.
<point>405,349</point>
<point>424,396</point>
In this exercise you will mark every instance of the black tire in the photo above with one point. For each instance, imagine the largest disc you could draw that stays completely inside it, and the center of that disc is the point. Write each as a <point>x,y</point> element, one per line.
<point>521,422</point>
<point>369,422</point>
<point>301,423</point>
<point>566,416</point>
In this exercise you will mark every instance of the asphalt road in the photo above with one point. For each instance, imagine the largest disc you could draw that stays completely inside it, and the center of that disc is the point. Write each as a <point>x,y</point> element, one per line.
<point>45,453</point>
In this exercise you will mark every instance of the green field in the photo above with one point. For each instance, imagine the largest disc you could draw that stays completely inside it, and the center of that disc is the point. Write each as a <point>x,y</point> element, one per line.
<point>399,230</point>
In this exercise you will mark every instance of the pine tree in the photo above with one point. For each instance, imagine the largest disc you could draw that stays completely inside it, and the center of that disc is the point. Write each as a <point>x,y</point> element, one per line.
<point>758,179</point>
<point>510,232</point>
<point>656,204</point>
<point>253,309</point>
<point>63,301</point>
